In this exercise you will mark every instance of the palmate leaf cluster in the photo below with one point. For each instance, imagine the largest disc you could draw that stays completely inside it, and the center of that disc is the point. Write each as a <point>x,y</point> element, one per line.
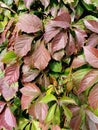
<point>49,64</point>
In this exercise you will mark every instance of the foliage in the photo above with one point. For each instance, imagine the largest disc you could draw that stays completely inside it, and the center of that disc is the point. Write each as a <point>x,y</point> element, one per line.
<point>49,64</point>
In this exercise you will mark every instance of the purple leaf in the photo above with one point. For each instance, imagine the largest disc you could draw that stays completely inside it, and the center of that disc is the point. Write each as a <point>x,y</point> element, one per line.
<point>58,55</point>
<point>41,57</point>
<point>56,127</point>
<point>93,97</point>
<point>23,45</point>
<point>59,42</point>
<point>39,113</point>
<point>70,48</point>
<point>28,3</point>
<point>80,37</point>
<point>91,56</point>
<point>7,120</point>
<point>29,23</point>
<point>93,40</point>
<point>45,2</point>
<point>89,79</point>
<point>78,61</point>
<point>91,25</point>
<point>12,73</point>
<point>2,105</point>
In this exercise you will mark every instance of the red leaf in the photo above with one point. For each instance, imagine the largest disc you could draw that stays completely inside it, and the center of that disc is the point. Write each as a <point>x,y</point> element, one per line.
<point>59,42</point>
<point>7,91</point>
<point>29,74</point>
<point>75,123</point>
<point>7,120</point>
<point>91,25</point>
<point>41,57</point>
<point>29,92</point>
<point>12,73</point>
<point>25,101</point>
<point>30,89</point>
<point>8,26</point>
<point>2,105</point>
<point>58,55</point>
<point>29,23</point>
<point>91,55</point>
<point>28,3</point>
<point>93,40</point>
<point>39,113</point>
<point>45,2</point>
<point>80,37</point>
<point>92,117</point>
<point>23,45</point>
<point>53,27</point>
<point>50,32</point>
<point>70,48</point>
<point>55,127</point>
<point>78,61</point>
<point>89,79</point>
<point>93,97</point>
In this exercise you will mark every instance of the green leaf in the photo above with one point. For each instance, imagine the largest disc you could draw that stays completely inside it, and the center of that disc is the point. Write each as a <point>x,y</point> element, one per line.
<point>56,66</point>
<point>67,100</point>
<point>1,74</point>
<point>35,125</point>
<point>67,113</point>
<point>9,57</point>
<point>50,114</point>
<point>48,98</point>
<point>56,119</point>
<point>22,123</point>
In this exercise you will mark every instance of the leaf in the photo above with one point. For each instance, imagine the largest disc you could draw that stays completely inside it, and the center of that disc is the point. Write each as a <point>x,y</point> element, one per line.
<point>56,119</point>
<point>29,92</point>
<point>29,23</point>
<point>9,57</point>
<point>2,105</point>
<point>59,42</point>
<point>35,125</point>
<point>56,66</point>
<point>93,97</point>
<point>56,127</point>
<point>50,114</point>
<point>41,57</point>
<point>89,80</point>
<point>25,102</point>
<point>67,113</point>
<point>12,73</point>
<point>30,75</point>
<point>91,25</point>
<point>28,3</point>
<point>91,53</point>
<point>66,100</point>
<point>7,91</point>
<point>58,55</point>
<point>80,37</point>
<point>23,45</point>
<point>70,47</point>
<point>93,40</point>
<point>92,117</point>
<point>7,120</point>
<point>78,61</point>
<point>48,98</point>
<point>45,2</point>
<point>30,89</point>
<point>37,113</point>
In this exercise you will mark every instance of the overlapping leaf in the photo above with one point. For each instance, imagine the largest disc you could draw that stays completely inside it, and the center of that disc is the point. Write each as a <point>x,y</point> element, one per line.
<point>91,56</point>
<point>41,57</point>
<point>91,25</point>
<point>93,97</point>
<point>39,113</point>
<point>12,73</point>
<point>23,45</point>
<point>29,23</point>
<point>7,120</point>
<point>89,79</point>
